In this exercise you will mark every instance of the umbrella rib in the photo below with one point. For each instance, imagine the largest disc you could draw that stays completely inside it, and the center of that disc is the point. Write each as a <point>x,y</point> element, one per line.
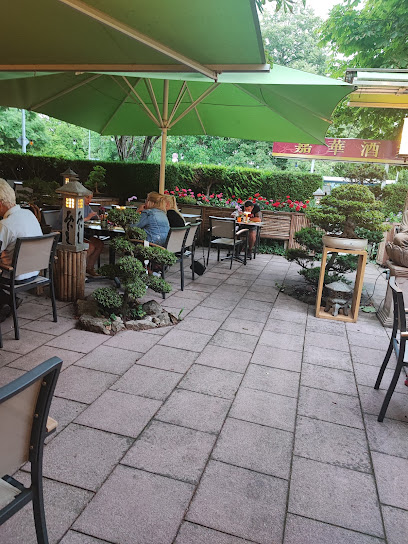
<point>111,22</point>
<point>196,110</point>
<point>148,112</point>
<point>118,108</point>
<point>64,92</point>
<point>263,102</point>
<point>298,125</point>
<point>194,104</point>
<point>177,102</point>
<point>150,90</point>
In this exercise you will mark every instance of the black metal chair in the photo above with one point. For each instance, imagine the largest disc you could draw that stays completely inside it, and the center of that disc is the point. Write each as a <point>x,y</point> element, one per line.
<point>396,345</point>
<point>30,254</point>
<point>190,243</point>
<point>24,407</point>
<point>175,243</point>
<point>224,234</point>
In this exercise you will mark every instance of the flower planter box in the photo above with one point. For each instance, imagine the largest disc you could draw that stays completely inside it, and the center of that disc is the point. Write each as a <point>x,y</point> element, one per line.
<point>277,225</point>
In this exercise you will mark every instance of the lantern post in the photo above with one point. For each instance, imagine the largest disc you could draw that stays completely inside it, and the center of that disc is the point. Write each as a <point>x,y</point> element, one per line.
<point>71,251</point>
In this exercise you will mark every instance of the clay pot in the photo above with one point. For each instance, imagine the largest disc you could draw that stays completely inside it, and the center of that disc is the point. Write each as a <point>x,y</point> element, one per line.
<point>336,242</point>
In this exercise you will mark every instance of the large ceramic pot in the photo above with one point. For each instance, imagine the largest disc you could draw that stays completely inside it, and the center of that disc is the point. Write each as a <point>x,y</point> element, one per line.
<point>336,242</point>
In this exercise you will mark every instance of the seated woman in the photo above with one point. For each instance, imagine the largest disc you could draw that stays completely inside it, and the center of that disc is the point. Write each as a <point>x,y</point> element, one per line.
<point>173,215</point>
<point>154,219</point>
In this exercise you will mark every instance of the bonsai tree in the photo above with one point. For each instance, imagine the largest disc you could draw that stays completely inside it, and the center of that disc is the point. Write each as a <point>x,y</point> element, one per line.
<point>347,208</point>
<point>130,272</point>
<point>350,211</point>
<point>39,192</point>
<point>96,179</point>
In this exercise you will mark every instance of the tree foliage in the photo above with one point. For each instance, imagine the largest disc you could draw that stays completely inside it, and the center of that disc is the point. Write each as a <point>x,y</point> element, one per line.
<point>291,39</point>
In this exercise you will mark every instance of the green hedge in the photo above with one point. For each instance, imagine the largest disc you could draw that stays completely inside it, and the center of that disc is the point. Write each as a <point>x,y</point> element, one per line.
<point>126,179</point>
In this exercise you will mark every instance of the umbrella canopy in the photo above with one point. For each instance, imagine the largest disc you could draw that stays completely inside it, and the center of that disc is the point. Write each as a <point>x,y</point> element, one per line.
<point>95,35</point>
<point>284,104</point>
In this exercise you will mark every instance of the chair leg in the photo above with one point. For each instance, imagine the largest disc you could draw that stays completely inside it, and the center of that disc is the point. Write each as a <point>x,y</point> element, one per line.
<point>192,262</point>
<point>1,339</point>
<point>218,253</point>
<point>162,274</point>
<point>52,293</point>
<point>14,311</point>
<point>182,269</point>
<point>384,363</point>
<point>393,383</point>
<point>208,252</point>
<point>38,508</point>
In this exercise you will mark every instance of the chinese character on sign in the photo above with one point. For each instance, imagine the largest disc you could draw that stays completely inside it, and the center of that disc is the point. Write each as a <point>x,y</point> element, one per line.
<point>303,148</point>
<point>80,226</point>
<point>336,146</point>
<point>370,149</point>
<point>69,220</point>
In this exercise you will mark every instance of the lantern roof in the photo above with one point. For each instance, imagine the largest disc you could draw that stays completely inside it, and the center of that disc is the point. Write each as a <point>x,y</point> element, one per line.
<point>74,188</point>
<point>319,192</point>
<point>69,172</point>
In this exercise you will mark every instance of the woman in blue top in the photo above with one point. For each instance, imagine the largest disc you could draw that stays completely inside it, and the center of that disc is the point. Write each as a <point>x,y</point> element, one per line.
<point>154,219</point>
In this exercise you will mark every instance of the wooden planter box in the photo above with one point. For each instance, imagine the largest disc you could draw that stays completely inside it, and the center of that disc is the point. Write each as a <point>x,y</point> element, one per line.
<point>278,225</point>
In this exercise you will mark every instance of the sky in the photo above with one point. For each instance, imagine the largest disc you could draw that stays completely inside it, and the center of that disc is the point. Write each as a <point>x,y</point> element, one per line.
<point>322,7</point>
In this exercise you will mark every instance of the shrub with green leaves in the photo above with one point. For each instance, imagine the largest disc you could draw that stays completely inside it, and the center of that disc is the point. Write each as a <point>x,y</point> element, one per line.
<point>132,275</point>
<point>96,179</point>
<point>309,255</point>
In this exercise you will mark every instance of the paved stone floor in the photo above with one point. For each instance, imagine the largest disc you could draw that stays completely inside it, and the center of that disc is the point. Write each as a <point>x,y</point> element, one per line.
<point>249,422</point>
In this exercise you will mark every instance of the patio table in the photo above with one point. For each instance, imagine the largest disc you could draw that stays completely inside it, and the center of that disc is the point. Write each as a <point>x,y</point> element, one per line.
<point>258,225</point>
<point>94,228</point>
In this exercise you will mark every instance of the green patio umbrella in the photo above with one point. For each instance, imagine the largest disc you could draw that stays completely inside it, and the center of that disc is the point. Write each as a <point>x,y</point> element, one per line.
<point>206,36</point>
<point>284,104</point>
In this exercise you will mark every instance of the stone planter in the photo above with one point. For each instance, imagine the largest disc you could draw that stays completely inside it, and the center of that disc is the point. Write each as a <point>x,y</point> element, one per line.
<point>336,242</point>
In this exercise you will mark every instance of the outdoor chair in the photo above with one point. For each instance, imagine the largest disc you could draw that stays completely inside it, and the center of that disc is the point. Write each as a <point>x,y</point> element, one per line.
<point>175,243</point>
<point>224,234</point>
<point>31,253</point>
<point>396,345</point>
<point>24,424</point>
<point>190,242</point>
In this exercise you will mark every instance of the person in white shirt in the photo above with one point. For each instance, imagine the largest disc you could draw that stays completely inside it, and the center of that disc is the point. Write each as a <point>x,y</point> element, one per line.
<point>16,223</point>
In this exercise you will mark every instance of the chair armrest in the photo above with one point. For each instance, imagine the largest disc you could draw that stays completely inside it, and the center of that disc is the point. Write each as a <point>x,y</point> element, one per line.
<point>241,231</point>
<point>404,334</point>
<point>6,267</point>
<point>51,425</point>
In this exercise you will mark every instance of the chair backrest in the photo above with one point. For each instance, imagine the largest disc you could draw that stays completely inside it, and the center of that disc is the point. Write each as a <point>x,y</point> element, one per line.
<point>193,211</point>
<point>52,218</point>
<point>399,306</point>
<point>191,234</point>
<point>222,227</point>
<point>175,239</point>
<point>33,253</point>
<point>24,407</point>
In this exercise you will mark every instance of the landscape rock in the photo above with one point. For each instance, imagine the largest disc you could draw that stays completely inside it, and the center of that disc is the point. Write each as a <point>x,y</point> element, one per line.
<point>152,307</point>
<point>95,324</point>
<point>140,324</point>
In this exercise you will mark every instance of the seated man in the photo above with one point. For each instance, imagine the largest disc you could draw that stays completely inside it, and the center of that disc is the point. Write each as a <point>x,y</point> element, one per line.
<point>95,244</point>
<point>255,216</point>
<point>16,223</point>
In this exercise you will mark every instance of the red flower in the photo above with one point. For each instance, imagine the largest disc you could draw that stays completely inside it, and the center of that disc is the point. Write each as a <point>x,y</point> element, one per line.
<point>211,196</point>
<point>239,201</point>
<point>307,201</point>
<point>297,208</point>
<point>176,188</point>
<point>291,205</point>
<point>233,197</point>
<point>288,196</point>
<point>172,192</point>
<point>256,194</point>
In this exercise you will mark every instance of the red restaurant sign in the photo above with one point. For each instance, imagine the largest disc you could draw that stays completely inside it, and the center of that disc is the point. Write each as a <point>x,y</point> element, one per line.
<point>342,149</point>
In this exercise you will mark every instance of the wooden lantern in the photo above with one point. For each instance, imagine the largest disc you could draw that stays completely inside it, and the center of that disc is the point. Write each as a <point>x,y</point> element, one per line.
<point>69,175</point>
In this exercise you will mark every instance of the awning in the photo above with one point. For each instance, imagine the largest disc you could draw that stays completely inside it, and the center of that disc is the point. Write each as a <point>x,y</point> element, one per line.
<point>378,88</point>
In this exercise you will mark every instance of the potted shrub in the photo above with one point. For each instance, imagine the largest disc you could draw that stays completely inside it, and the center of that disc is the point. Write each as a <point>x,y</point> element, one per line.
<point>96,179</point>
<point>343,212</point>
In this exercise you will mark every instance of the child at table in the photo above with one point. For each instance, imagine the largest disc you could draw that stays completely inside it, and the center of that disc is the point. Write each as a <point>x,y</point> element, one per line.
<point>254,216</point>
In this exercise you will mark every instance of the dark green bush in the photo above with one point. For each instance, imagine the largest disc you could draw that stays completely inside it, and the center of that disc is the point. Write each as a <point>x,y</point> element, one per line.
<point>126,179</point>
<point>109,299</point>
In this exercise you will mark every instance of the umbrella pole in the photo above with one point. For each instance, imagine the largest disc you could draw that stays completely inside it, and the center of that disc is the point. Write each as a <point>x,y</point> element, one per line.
<point>165,118</point>
<point>163,160</point>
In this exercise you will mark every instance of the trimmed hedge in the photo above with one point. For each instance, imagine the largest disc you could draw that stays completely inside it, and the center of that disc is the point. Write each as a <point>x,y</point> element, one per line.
<point>126,179</point>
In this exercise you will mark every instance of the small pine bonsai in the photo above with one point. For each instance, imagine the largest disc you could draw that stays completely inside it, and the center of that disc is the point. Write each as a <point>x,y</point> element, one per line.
<point>347,208</point>
<point>96,179</point>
